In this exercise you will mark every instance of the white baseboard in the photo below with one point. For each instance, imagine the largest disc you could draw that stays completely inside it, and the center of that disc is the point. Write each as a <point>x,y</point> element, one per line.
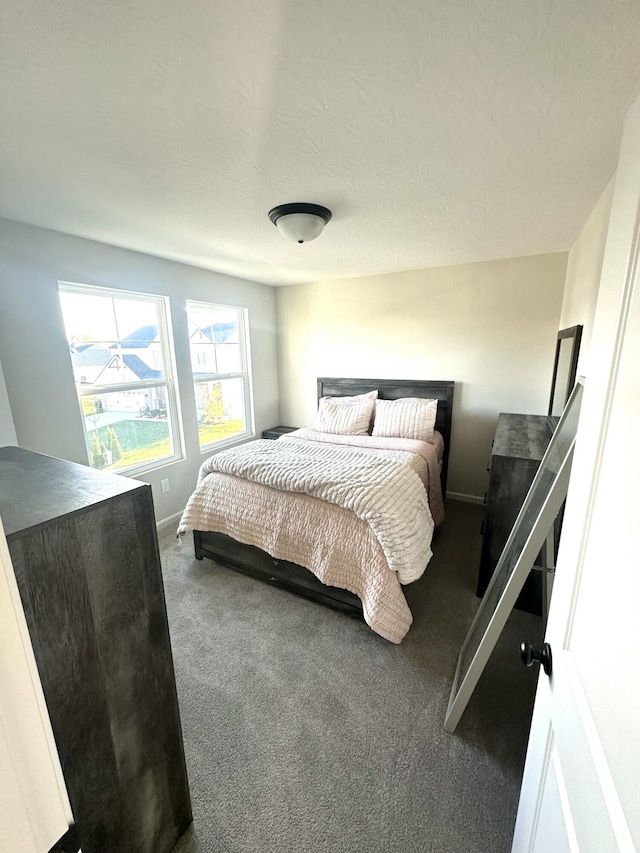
<point>170,519</point>
<point>469,499</point>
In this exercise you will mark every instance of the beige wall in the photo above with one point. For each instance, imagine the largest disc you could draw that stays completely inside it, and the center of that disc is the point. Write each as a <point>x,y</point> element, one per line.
<point>34,352</point>
<point>490,327</point>
<point>583,274</point>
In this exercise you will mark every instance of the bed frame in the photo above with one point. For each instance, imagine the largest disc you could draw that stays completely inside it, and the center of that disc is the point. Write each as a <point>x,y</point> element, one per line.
<point>290,576</point>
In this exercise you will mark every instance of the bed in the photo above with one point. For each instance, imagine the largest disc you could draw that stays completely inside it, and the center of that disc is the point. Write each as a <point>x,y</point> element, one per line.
<point>342,563</point>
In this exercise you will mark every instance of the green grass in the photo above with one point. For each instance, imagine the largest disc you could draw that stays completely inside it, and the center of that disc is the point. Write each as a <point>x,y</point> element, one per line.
<point>147,441</point>
<point>157,450</point>
<point>215,432</point>
<point>134,433</point>
<point>141,441</point>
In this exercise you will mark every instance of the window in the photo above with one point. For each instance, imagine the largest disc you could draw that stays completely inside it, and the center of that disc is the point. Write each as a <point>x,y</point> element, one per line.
<point>122,364</point>
<point>219,359</point>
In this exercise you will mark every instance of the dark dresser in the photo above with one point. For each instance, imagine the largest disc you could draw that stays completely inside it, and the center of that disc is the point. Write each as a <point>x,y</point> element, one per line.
<point>85,553</point>
<point>518,446</point>
<point>277,431</point>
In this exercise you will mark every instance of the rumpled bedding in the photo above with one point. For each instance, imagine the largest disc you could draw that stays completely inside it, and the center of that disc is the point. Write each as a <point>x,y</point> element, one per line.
<point>354,512</point>
<point>430,452</point>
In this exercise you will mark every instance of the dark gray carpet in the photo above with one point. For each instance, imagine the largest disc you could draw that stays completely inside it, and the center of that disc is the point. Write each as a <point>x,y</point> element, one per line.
<point>305,731</point>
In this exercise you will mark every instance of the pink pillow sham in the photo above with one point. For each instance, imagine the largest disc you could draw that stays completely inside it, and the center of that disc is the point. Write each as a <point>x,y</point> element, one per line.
<point>345,415</point>
<point>408,417</point>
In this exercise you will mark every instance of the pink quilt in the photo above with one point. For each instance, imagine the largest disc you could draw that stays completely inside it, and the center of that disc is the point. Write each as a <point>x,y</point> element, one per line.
<point>340,547</point>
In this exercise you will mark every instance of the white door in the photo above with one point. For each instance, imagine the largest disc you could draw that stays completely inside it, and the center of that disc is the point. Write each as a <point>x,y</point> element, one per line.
<point>34,808</point>
<point>581,786</point>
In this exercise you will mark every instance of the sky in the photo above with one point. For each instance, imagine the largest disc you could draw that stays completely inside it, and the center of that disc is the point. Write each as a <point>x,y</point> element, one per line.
<point>103,318</point>
<point>108,319</point>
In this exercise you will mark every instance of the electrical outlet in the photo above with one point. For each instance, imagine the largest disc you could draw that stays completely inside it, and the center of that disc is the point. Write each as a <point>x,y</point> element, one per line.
<point>164,485</point>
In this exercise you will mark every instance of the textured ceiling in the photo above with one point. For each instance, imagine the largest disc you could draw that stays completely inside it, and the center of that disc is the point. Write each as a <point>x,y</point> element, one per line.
<point>437,131</point>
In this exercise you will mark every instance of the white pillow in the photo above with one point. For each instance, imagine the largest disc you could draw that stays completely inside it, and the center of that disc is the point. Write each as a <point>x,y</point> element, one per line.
<point>409,417</point>
<point>356,398</point>
<point>344,418</point>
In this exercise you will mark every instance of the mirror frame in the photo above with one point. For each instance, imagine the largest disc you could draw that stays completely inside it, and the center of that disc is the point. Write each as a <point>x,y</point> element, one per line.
<point>574,332</point>
<point>533,525</point>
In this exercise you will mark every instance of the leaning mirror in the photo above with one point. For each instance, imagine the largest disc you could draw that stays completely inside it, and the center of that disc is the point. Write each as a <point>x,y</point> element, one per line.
<point>564,371</point>
<point>532,527</point>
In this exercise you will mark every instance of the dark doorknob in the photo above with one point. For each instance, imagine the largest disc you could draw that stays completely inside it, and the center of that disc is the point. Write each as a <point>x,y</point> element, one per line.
<point>528,655</point>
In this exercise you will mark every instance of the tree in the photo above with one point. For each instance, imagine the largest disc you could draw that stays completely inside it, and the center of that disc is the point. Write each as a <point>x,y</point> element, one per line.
<point>98,451</point>
<point>114,444</point>
<point>214,407</point>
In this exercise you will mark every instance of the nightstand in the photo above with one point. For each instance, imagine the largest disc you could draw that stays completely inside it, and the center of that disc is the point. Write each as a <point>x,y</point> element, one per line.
<point>277,431</point>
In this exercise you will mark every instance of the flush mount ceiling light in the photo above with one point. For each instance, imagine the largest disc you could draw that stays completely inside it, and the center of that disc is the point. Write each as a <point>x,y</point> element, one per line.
<point>299,221</point>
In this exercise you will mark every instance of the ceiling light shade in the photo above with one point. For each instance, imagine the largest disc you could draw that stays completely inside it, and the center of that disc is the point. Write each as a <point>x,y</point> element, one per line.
<point>299,221</point>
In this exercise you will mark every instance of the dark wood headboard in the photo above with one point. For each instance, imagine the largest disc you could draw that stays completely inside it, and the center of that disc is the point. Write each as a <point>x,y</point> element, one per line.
<point>394,389</point>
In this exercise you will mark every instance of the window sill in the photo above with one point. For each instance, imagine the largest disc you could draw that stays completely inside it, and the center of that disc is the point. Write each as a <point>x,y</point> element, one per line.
<point>136,470</point>
<point>241,438</point>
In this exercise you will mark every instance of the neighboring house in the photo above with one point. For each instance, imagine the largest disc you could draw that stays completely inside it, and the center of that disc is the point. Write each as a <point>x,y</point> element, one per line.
<point>139,368</point>
<point>96,366</point>
<point>135,359</point>
<point>207,359</point>
<point>203,355</point>
<point>90,364</point>
<point>144,344</point>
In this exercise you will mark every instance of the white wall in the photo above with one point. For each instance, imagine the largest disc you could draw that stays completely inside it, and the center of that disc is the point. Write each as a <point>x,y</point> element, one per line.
<point>34,352</point>
<point>583,274</point>
<point>7,429</point>
<point>490,327</point>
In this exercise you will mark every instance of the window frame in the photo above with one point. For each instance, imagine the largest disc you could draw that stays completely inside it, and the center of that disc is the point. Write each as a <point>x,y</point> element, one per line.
<point>244,374</point>
<point>169,383</point>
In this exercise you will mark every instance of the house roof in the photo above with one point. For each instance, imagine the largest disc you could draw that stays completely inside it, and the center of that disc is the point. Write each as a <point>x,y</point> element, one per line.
<point>98,357</point>
<point>138,339</point>
<point>219,332</point>
<point>142,371</point>
<point>91,357</point>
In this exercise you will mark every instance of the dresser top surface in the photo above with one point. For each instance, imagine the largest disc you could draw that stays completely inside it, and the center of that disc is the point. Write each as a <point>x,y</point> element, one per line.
<point>521,436</point>
<point>35,489</point>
